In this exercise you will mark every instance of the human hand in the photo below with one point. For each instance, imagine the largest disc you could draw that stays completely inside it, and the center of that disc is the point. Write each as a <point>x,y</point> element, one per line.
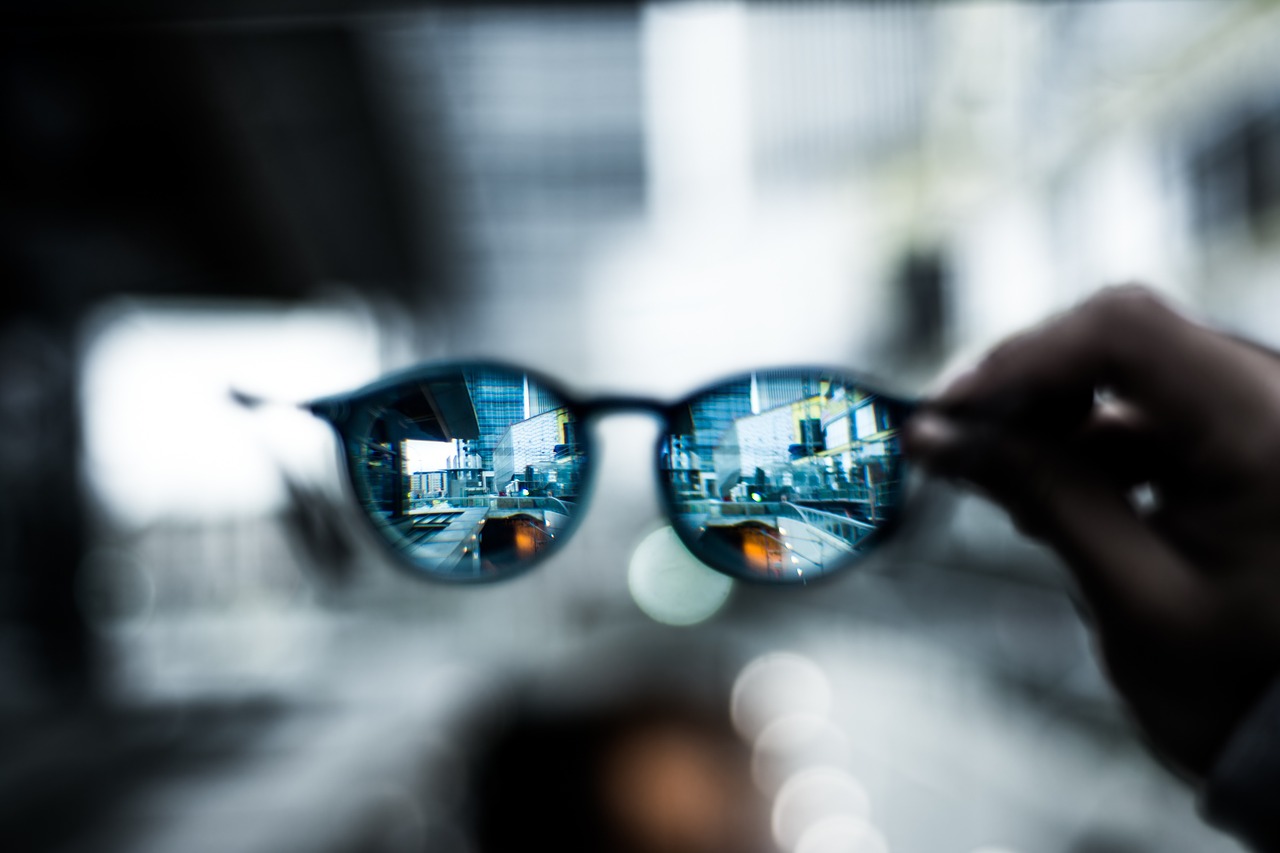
<point>1059,424</point>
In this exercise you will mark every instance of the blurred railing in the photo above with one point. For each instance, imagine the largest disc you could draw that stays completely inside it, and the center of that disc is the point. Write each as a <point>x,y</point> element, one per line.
<point>498,502</point>
<point>842,527</point>
<point>839,526</point>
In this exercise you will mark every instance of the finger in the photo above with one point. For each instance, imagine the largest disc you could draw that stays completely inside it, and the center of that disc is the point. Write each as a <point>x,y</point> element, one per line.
<point>1126,572</point>
<point>1120,441</point>
<point>1124,339</point>
<point>1124,445</point>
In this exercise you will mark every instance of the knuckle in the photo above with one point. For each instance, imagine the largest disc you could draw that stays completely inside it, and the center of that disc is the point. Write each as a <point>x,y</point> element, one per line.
<point>1008,354</point>
<point>1126,318</point>
<point>1127,300</point>
<point>1122,306</point>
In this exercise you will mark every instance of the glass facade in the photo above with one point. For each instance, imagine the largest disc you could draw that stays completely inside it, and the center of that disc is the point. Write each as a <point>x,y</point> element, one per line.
<point>530,458</point>
<point>498,398</point>
<point>710,414</point>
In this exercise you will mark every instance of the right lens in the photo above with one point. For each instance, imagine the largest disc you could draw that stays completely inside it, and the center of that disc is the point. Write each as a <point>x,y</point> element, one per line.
<point>783,475</point>
<point>469,472</point>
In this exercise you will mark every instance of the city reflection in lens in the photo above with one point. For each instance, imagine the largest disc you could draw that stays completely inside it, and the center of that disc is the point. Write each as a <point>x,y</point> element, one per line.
<point>471,472</point>
<point>783,475</point>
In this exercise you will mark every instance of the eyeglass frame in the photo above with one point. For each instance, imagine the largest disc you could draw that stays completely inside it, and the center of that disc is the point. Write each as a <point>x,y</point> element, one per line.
<point>337,409</point>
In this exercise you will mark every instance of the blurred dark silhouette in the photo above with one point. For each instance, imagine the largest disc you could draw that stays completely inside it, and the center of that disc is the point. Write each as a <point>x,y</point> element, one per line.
<point>169,160</point>
<point>649,774</point>
<point>183,156</point>
<point>922,284</point>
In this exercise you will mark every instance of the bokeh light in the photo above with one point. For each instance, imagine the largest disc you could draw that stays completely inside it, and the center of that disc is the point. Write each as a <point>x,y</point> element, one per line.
<point>670,585</point>
<point>842,834</point>
<point>777,685</point>
<point>792,743</point>
<point>813,798</point>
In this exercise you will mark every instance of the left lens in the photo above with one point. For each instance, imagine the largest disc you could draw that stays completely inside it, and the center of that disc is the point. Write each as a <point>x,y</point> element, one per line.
<point>468,472</point>
<point>783,475</point>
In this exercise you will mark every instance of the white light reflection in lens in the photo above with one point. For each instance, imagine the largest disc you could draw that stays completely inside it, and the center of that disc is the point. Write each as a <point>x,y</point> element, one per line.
<point>774,686</point>
<point>792,743</point>
<point>670,585</point>
<point>842,835</point>
<point>813,798</point>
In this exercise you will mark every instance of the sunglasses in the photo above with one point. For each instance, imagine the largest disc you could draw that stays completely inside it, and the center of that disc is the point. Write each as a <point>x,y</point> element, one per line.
<point>477,471</point>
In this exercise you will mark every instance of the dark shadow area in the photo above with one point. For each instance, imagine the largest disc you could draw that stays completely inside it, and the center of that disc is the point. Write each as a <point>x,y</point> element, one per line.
<point>65,776</point>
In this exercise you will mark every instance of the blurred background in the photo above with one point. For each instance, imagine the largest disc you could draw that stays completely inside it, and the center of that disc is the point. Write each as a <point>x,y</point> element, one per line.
<point>200,646</point>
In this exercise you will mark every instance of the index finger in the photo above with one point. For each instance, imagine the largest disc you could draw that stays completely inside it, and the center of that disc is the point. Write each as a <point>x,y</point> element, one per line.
<point>1124,339</point>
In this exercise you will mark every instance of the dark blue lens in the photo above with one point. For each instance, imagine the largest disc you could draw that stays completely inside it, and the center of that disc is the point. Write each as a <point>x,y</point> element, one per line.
<point>470,472</point>
<point>783,475</point>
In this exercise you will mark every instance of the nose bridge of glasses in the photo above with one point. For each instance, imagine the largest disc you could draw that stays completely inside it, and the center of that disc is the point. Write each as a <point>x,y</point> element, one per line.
<point>623,404</point>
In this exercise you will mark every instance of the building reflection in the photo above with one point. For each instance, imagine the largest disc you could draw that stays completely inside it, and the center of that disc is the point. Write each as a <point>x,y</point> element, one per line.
<point>785,474</point>
<point>471,472</point>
